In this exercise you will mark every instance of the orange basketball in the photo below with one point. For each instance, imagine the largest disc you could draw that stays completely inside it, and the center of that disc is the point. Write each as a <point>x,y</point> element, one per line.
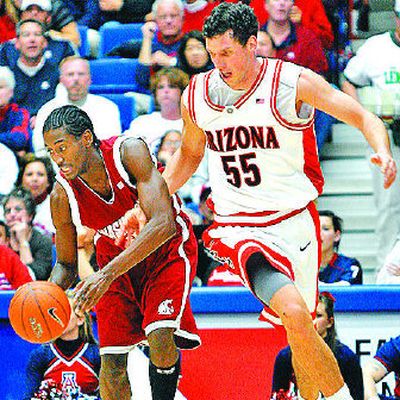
<point>39,311</point>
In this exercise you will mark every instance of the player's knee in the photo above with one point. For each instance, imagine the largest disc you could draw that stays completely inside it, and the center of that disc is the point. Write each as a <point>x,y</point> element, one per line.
<point>296,317</point>
<point>113,369</point>
<point>163,350</point>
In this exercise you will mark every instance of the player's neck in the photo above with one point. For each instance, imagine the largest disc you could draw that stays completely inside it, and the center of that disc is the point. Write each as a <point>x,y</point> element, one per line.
<point>249,77</point>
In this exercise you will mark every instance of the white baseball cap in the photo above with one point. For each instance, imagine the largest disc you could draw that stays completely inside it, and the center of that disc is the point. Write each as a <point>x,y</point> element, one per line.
<point>45,5</point>
<point>397,6</point>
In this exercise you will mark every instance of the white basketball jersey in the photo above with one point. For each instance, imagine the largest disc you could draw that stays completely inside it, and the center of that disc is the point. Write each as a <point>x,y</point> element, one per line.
<point>258,160</point>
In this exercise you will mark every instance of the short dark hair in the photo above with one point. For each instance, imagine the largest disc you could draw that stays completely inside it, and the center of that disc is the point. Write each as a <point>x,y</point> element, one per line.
<point>327,299</point>
<point>337,223</point>
<point>25,195</point>
<point>25,21</point>
<point>236,16</point>
<point>30,158</point>
<point>71,118</point>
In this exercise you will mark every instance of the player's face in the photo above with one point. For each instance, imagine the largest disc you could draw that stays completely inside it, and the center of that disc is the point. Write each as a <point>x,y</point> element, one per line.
<point>322,321</point>
<point>35,179</point>
<point>234,61</point>
<point>15,211</point>
<point>67,151</point>
<point>195,53</point>
<point>328,234</point>
<point>75,77</point>
<point>167,94</point>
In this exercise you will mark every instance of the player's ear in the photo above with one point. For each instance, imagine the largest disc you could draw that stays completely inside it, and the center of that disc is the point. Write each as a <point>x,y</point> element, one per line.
<point>87,138</point>
<point>252,43</point>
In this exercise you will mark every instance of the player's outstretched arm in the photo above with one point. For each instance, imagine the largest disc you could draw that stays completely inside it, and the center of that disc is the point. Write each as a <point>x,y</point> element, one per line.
<point>65,270</point>
<point>373,372</point>
<point>316,91</point>
<point>186,159</point>
<point>156,204</point>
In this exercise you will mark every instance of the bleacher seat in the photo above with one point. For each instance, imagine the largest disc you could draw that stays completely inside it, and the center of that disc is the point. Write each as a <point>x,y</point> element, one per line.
<point>112,35</point>
<point>113,75</point>
<point>84,48</point>
<point>126,105</point>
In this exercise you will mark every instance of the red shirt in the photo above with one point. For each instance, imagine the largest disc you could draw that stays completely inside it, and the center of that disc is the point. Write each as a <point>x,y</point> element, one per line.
<point>195,20</point>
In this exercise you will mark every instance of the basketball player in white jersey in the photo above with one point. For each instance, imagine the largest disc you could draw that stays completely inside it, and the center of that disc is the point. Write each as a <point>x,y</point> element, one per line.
<point>256,118</point>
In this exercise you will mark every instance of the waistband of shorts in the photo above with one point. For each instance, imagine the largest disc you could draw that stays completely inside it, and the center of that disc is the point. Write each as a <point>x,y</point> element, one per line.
<point>263,218</point>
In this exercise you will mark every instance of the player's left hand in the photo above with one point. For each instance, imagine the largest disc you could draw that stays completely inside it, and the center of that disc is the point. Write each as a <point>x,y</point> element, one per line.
<point>134,221</point>
<point>89,291</point>
<point>387,166</point>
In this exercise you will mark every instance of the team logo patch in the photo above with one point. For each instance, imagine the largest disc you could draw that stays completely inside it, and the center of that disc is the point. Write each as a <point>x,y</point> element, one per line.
<point>166,307</point>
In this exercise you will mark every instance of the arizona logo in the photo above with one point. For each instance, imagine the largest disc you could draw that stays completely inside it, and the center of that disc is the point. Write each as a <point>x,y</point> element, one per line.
<point>36,327</point>
<point>52,313</point>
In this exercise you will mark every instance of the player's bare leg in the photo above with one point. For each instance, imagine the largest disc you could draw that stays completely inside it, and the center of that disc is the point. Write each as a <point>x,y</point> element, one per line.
<point>164,364</point>
<point>307,388</point>
<point>114,382</point>
<point>308,348</point>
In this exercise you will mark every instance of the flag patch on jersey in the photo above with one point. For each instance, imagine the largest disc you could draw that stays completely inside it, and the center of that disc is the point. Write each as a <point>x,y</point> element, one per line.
<point>260,101</point>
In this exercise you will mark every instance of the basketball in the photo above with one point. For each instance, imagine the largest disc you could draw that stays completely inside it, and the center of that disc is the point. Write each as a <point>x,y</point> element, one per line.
<point>39,311</point>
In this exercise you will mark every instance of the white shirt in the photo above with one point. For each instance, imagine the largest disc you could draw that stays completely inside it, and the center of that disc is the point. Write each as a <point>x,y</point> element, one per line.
<point>103,113</point>
<point>8,169</point>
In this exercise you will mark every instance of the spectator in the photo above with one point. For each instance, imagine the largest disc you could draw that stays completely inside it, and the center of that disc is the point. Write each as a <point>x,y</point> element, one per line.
<point>284,384</point>
<point>8,170</point>
<point>167,86</point>
<point>161,40</point>
<point>265,44</point>
<point>37,175</point>
<point>385,361</point>
<point>36,77</point>
<point>335,268</point>
<point>376,64</point>
<point>34,248</point>
<point>125,11</point>
<point>15,131</point>
<point>54,14</point>
<point>193,57</point>
<point>86,13</point>
<point>13,273</point>
<point>71,363</point>
<point>75,77</point>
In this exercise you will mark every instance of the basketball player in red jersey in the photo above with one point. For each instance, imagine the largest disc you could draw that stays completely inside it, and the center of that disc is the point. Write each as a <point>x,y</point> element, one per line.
<point>256,119</point>
<point>141,291</point>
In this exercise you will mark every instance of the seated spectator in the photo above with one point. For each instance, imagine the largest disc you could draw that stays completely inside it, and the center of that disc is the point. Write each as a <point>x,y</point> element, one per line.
<point>193,57</point>
<point>56,49</point>
<point>385,361</point>
<point>37,175</point>
<point>336,268</point>
<point>284,385</point>
<point>265,45</point>
<point>13,273</point>
<point>389,274</point>
<point>167,86</point>
<point>8,170</point>
<point>7,24</point>
<point>15,131</point>
<point>34,248</point>
<point>76,79</point>
<point>56,15</point>
<point>70,364</point>
<point>161,40</point>
<point>125,11</point>
<point>36,76</point>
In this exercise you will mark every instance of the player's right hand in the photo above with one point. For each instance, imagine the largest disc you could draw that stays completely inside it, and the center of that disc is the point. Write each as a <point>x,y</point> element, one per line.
<point>387,166</point>
<point>135,220</point>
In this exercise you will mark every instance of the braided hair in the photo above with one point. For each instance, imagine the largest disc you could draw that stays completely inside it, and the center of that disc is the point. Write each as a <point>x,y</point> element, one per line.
<point>236,16</point>
<point>71,118</point>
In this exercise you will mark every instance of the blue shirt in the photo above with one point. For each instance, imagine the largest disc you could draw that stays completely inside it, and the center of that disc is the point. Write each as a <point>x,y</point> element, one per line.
<point>341,268</point>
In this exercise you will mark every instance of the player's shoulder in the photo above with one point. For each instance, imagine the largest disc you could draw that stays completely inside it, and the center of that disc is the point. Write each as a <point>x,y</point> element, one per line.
<point>58,196</point>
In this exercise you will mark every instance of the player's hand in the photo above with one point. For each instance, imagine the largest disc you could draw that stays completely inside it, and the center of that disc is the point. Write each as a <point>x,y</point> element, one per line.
<point>89,291</point>
<point>135,220</point>
<point>393,269</point>
<point>387,166</point>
